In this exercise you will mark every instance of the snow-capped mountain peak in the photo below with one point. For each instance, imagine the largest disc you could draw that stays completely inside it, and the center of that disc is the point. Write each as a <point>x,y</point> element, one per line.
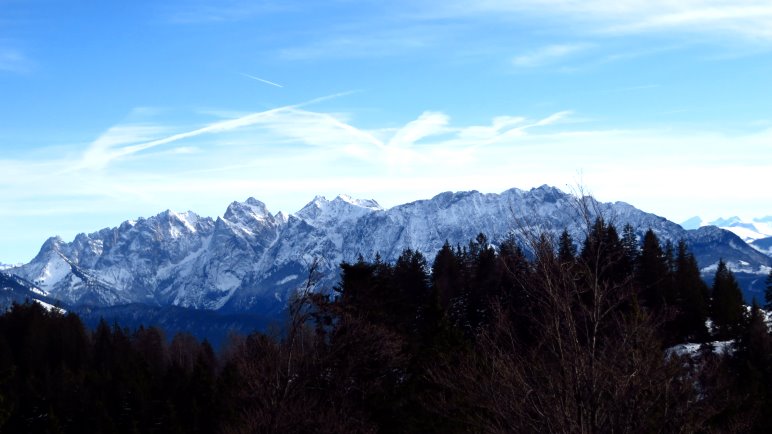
<point>723,222</point>
<point>342,209</point>
<point>250,258</point>
<point>363,203</point>
<point>280,218</point>
<point>748,230</point>
<point>247,212</point>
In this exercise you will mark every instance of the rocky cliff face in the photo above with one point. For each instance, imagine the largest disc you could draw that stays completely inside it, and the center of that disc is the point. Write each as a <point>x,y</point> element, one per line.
<point>253,260</point>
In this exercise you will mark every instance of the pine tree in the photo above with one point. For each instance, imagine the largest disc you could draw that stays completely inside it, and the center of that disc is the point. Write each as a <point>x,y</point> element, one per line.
<point>603,254</point>
<point>652,272</point>
<point>753,362</point>
<point>693,301</point>
<point>446,275</point>
<point>566,248</point>
<point>727,303</point>
<point>630,244</point>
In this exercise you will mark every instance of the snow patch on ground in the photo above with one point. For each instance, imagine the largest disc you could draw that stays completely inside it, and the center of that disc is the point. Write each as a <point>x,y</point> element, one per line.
<point>692,349</point>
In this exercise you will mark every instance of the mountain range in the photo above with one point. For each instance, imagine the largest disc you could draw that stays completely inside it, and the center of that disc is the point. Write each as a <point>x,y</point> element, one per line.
<point>252,261</point>
<point>749,230</point>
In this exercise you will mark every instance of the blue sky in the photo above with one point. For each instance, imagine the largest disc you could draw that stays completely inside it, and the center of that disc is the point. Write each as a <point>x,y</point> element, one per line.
<point>114,110</point>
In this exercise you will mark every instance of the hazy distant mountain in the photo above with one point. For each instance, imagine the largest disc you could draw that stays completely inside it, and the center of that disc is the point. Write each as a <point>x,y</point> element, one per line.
<point>251,260</point>
<point>692,223</point>
<point>757,228</point>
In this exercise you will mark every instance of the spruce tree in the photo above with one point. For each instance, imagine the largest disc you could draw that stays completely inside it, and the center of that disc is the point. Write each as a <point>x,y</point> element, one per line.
<point>652,272</point>
<point>693,301</point>
<point>727,303</point>
<point>630,244</point>
<point>566,248</point>
<point>446,276</point>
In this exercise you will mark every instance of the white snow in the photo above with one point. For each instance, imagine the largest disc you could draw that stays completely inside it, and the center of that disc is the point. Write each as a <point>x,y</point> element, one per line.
<point>50,307</point>
<point>203,263</point>
<point>747,229</point>
<point>287,279</point>
<point>56,269</point>
<point>38,291</point>
<point>691,349</point>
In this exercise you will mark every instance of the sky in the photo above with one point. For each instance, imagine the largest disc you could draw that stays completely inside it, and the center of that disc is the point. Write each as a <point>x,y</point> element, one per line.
<point>114,110</point>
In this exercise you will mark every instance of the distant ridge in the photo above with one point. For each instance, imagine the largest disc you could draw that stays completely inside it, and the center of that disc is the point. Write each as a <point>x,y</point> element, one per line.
<point>252,260</point>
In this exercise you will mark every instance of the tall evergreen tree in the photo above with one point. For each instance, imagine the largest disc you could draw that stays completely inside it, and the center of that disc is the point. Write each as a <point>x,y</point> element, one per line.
<point>630,244</point>
<point>603,254</point>
<point>652,272</point>
<point>727,303</point>
<point>446,275</point>
<point>753,362</point>
<point>566,248</point>
<point>693,301</point>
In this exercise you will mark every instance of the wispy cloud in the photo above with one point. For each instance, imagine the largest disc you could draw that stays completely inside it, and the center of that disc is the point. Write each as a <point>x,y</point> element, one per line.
<point>13,60</point>
<point>548,55</point>
<point>123,141</point>
<point>262,80</point>
<point>744,18</point>
<point>750,19</point>
<point>286,155</point>
<point>428,124</point>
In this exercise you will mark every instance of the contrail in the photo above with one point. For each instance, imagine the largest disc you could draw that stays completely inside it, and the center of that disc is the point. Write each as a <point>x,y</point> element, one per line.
<point>102,155</point>
<point>262,80</point>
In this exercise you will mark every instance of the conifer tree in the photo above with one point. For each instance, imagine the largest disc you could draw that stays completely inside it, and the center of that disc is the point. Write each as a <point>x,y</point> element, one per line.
<point>652,272</point>
<point>727,303</point>
<point>446,275</point>
<point>753,362</point>
<point>566,248</point>
<point>693,301</point>
<point>602,252</point>
<point>630,243</point>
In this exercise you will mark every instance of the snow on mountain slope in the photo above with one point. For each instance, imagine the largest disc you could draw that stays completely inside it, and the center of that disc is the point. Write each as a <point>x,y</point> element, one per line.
<point>748,230</point>
<point>763,245</point>
<point>252,260</point>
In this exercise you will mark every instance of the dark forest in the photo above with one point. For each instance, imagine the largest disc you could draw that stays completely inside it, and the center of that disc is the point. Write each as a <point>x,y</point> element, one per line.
<point>539,334</point>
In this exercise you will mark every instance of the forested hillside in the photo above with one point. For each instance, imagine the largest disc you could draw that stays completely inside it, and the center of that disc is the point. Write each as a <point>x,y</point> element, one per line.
<point>537,335</point>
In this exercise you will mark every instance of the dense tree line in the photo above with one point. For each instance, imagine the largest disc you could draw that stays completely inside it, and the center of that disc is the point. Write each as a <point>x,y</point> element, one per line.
<point>535,334</point>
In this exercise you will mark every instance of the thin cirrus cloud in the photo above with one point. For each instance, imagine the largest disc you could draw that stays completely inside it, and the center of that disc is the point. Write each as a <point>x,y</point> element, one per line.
<point>123,141</point>
<point>147,164</point>
<point>13,60</point>
<point>548,55</point>
<point>743,18</point>
<point>417,142</point>
<point>279,155</point>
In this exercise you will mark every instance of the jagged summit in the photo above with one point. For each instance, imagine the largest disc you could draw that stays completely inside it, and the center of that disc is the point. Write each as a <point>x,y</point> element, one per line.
<point>343,208</point>
<point>243,212</point>
<point>252,260</point>
<point>364,203</point>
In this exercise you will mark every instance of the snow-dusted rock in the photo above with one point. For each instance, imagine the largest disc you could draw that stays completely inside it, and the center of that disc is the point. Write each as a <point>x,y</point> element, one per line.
<point>253,260</point>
